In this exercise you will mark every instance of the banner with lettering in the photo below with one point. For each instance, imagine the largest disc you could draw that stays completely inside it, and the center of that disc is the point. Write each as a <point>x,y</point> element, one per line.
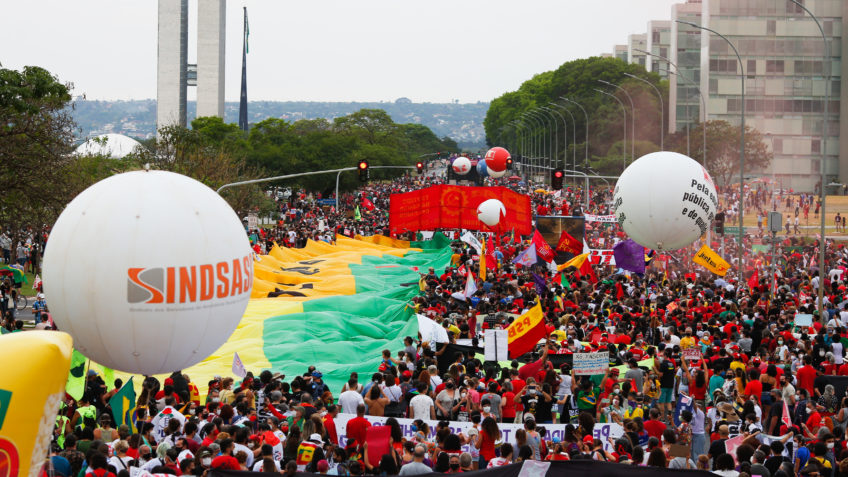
<point>455,207</point>
<point>552,431</point>
<point>607,219</point>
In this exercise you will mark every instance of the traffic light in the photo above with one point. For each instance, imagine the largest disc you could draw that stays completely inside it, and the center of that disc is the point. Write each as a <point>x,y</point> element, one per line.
<point>719,223</point>
<point>509,163</point>
<point>363,171</point>
<point>556,179</point>
<point>420,166</point>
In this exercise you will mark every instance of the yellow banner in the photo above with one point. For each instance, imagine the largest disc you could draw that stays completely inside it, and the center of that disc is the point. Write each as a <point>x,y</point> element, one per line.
<point>30,394</point>
<point>711,261</point>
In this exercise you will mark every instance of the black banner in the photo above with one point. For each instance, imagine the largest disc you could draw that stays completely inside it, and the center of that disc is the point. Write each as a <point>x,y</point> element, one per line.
<point>554,469</point>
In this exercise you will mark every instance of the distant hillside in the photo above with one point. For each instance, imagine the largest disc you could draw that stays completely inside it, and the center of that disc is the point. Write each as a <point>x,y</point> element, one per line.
<point>461,122</point>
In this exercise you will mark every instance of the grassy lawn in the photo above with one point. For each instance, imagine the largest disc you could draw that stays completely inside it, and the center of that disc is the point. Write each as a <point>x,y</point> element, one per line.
<point>835,204</point>
<point>26,289</point>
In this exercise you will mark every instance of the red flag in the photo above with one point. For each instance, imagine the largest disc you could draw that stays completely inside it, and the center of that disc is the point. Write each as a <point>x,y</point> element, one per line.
<point>569,244</point>
<point>785,419</point>
<point>619,292</point>
<point>526,331</point>
<point>366,202</point>
<point>754,280</point>
<point>543,250</point>
<point>491,261</point>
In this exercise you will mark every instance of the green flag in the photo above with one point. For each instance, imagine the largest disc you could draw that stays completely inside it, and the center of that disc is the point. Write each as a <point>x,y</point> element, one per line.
<point>76,378</point>
<point>123,404</point>
<point>356,215</point>
<point>107,373</point>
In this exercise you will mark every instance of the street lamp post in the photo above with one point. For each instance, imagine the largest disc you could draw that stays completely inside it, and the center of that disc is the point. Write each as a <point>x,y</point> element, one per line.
<point>662,107</point>
<point>573,135</point>
<point>586,141</point>
<point>543,122</point>
<point>564,136</point>
<point>703,111</point>
<point>632,119</point>
<point>624,112</point>
<point>534,139</point>
<point>554,137</point>
<point>823,243</point>
<point>540,142</point>
<point>741,148</point>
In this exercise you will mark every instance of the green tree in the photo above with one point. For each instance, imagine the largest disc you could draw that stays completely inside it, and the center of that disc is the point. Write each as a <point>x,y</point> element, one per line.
<point>578,80</point>
<point>723,149</point>
<point>36,141</point>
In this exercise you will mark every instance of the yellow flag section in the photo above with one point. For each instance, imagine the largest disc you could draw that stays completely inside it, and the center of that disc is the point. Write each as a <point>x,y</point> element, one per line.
<point>711,261</point>
<point>336,306</point>
<point>30,392</point>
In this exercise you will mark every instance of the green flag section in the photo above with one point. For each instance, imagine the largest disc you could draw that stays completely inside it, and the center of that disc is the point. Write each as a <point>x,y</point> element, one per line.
<point>76,377</point>
<point>80,366</point>
<point>123,404</point>
<point>438,241</point>
<point>346,333</point>
<point>339,335</point>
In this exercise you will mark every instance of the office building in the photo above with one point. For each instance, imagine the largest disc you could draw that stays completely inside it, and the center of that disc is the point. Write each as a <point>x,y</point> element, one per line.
<point>785,80</point>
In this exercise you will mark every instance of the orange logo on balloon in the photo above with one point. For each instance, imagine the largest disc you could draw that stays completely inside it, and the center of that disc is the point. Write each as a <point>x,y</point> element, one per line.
<point>8,459</point>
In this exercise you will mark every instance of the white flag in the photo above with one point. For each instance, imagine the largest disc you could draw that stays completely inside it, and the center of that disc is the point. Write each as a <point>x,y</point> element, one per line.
<point>238,366</point>
<point>470,239</point>
<point>470,285</point>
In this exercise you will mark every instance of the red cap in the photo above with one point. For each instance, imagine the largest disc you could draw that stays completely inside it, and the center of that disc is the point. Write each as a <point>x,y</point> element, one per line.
<point>407,374</point>
<point>737,356</point>
<point>225,462</point>
<point>169,382</point>
<point>589,438</point>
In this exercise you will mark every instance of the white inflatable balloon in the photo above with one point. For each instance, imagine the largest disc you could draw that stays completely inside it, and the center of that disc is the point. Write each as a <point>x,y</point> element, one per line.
<point>149,271</point>
<point>490,212</point>
<point>496,174</point>
<point>461,165</point>
<point>665,200</point>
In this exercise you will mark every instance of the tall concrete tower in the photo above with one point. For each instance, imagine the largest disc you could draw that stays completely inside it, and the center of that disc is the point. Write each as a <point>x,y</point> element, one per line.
<point>175,75</point>
<point>172,63</point>
<point>211,36</point>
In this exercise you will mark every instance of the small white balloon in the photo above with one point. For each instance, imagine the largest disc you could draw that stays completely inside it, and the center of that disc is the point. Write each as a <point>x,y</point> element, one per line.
<point>497,174</point>
<point>490,212</point>
<point>461,165</point>
<point>149,271</point>
<point>665,200</point>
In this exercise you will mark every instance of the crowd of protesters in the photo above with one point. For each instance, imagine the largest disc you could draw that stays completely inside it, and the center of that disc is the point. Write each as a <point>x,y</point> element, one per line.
<point>759,375</point>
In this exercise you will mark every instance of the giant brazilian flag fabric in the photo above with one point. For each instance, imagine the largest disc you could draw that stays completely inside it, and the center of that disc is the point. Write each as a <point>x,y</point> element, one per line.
<point>333,306</point>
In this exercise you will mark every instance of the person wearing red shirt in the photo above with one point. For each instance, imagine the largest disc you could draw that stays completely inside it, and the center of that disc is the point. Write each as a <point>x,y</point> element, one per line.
<point>508,403</point>
<point>357,426</point>
<point>807,376</point>
<point>653,426</point>
<point>517,385</point>
<point>330,424</point>
<point>843,369</point>
<point>754,386</point>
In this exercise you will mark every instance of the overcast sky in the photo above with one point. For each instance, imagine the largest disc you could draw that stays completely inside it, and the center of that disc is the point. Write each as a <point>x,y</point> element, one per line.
<point>329,50</point>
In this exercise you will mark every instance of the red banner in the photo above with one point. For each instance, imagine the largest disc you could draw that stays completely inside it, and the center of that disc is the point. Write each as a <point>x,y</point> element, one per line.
<point>455,207</point>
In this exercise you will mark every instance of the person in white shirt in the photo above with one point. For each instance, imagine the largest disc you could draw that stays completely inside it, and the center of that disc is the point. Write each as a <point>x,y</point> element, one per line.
<point>350,399</point>
<point>120,460</point>
<point>422,405</point>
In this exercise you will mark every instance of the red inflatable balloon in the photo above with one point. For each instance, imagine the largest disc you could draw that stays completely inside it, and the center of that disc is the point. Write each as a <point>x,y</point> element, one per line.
<point>496,159</point>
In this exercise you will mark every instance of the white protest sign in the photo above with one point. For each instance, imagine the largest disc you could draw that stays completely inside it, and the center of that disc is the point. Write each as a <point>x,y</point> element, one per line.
<point>496,345</point>
<point>587,364</point>
<point>691,354</point>
<point>609,219</point>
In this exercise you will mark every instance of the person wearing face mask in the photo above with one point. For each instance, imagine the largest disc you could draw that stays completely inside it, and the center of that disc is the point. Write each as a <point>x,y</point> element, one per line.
<point>615,411</point>
<point>446,400</point>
